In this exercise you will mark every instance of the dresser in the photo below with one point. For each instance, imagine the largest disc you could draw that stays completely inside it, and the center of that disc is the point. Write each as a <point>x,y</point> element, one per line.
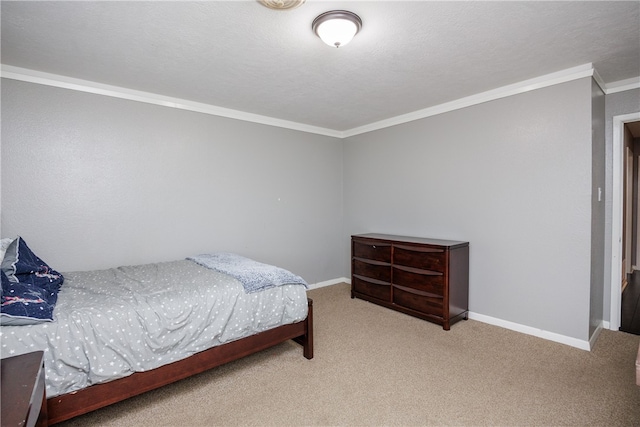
<point>425,278</point>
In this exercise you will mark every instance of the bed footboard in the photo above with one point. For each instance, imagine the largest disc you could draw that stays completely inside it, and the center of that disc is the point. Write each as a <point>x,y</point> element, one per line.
<point>66,406</point>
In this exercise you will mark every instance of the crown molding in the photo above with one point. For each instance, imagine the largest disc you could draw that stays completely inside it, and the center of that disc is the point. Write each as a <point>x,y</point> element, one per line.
<point>32,76</point>
<point>570,74</point>
<point>599,81</point>
<point>563,76</point>
<point>623,85</point>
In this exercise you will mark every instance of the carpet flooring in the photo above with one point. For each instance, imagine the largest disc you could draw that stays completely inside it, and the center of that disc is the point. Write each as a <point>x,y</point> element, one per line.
<point>375,367</point>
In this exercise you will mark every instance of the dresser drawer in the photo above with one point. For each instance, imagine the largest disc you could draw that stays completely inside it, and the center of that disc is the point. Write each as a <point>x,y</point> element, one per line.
<point>410,299</point>
<point>373,269</point>
<point>371,250</point>
<point>371,287</point>
<point>420,257</point>
<point>421,280</point>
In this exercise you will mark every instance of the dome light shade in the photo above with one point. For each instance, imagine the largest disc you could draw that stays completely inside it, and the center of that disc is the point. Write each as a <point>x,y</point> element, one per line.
<point>337,27</point>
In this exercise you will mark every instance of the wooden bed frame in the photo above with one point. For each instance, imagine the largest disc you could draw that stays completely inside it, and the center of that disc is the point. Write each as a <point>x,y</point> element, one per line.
<point>66,406</point>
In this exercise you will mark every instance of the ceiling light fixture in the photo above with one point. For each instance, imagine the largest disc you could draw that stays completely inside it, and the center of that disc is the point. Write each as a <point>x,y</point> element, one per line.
<point>281,4</point>
<point>337,27</point>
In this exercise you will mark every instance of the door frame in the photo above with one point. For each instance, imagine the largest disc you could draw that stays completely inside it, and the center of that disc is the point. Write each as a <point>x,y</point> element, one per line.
<point>618,157</point>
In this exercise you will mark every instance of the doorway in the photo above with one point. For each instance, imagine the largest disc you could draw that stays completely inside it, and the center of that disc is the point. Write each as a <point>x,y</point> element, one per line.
<point>624,230</point>
<point>630,307</point>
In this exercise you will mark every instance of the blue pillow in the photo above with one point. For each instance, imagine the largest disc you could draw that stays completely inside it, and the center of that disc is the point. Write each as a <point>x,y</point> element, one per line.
<point>21,265</point>
<point>29,287</point>
<point>25,304</point>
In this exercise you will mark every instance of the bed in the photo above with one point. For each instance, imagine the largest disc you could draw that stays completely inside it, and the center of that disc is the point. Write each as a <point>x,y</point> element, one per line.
<point>112,334</point>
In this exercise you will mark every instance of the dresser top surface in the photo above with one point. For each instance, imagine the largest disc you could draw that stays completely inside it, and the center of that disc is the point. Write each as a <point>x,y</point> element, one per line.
<point>409,239</point>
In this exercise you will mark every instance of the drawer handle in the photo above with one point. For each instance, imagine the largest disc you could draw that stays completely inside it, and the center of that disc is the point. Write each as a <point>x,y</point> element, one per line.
<point>374,246</point>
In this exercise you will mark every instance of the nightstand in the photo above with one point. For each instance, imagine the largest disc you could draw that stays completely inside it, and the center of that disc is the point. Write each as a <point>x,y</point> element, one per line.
<point>24,401</point>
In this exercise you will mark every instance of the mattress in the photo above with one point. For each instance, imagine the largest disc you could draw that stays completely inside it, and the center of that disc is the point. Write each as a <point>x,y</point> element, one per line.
<point>111,323</point>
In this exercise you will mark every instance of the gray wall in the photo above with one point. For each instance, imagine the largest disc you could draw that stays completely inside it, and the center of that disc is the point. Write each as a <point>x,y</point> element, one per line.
<point>93,182</point>
<point>597,207</point>
<point>616,104</point>
<point>513,177</point>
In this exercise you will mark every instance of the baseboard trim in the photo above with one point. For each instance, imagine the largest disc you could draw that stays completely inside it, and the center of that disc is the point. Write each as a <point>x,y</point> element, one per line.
<point>540,333</point>
<point>329,283</point>
<point>595,335</point>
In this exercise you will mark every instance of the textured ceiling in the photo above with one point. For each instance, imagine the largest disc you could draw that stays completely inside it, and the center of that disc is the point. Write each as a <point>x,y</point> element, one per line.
<point>241,55</point>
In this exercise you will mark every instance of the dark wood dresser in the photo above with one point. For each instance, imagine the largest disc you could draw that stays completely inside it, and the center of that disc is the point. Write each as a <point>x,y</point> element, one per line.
<point>426,278</point>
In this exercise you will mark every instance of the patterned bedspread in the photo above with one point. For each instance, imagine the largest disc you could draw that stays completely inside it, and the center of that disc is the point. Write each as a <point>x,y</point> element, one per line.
<point>111,323</point>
